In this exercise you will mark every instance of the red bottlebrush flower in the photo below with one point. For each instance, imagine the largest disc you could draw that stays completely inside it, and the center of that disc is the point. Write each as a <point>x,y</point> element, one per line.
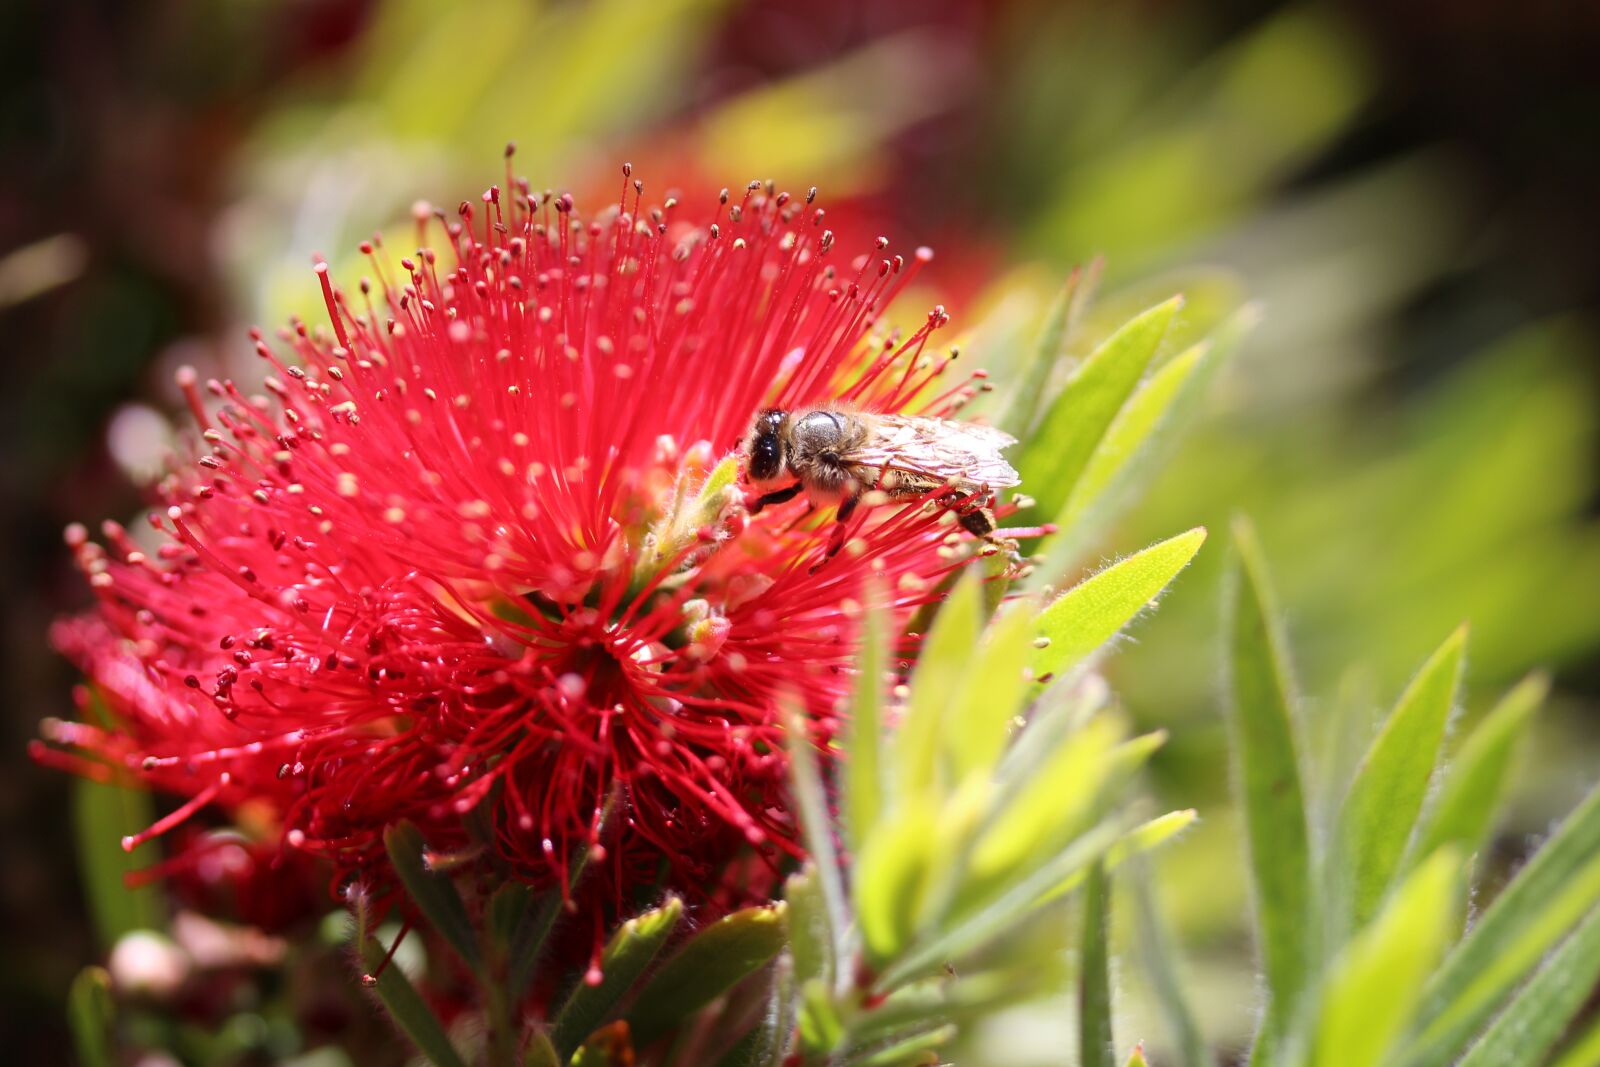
<point>480,559</point>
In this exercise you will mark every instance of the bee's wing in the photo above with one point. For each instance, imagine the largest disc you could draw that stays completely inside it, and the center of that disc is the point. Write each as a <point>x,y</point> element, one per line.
<point>957,452</point>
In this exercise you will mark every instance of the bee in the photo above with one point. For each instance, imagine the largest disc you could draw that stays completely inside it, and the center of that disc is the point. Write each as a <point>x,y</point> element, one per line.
<point>836,456</point>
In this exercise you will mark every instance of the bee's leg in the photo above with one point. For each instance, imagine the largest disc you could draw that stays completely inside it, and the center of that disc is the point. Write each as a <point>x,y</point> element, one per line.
<point>780,496</point>
<point>847,508</point>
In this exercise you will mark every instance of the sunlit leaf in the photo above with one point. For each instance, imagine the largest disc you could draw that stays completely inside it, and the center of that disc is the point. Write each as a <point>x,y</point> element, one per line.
<point>863,770</point>
<point>892,869</point>
<point>1092,612</point>
<point>1261,719</point>
<point>1533,1022</point>
<point>915,1050</point>
<point>625,958</point>
<point>1547,898</point>
<point>991,691</point>
<point>1033,378</point>
<point>816,827</point>
<point>708,965</point>
<point>1054,457</point>
<point>810,936</point>
<point>1162,968</point>
<point>1377,981</point>
<point>1463,812</point>
<point>940,665</point>
<point>1381,808</point>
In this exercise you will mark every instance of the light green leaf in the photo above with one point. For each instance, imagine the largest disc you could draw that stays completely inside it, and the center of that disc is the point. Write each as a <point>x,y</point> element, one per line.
<point>917,1049</point>
<point>1532,1024</point>
<point>1092,612</point>
<point>103,814</point>
<point>1094,972</point>
<point>863,771</point>
<point>991,692</point>
<point>1464,810</point>
<point>1141,839</point>
<point>1136,1057</point>
<point>1556,888</point>
<point>1377,981</point>
<point>1391,783</point>
<point>432,892</point>
<point>1033,379</point>
<point>940,664</point>
<point>406,1006</point>
<point>964,933</point>
<point>1051,804</point>
<point>711,963</point>
<point>91,1012</point>
<point>1061,446</point>
<point>821,1029</point>
<point>1142,437</point>
<point>816,827</point>
<point>626,956</point>
<point>890,876</point>
<point>1583,1050</point>
<point>541,1053</point>
<point>810,936</point>
<point>1261,721</point>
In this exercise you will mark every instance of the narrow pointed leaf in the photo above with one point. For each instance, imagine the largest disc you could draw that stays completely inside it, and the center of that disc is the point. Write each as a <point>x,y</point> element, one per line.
<point>1094,972</point>
<point>1261,721</point>
<point>90,1012</point>
<point>1583,1050</point>
<point>1391,783</point>
<point>103,813</point>
<point>1136,1057</point>
<point>940,665</point>
<point>1160,957</point>
<point>810,936</point>
<point>712,962</point>
<point>816,827</point>
<point>434,894</point>
<point>1464,811</point>
<point>1092,612</point>
<point>407,1008</point>
<point>1065,439</point>
<point>1033,380</point>
<point>889,879</point>
<point>917,1049</point>
<point>863,770</point>
<point>626,956</point>
<point>1529,1028</point>
<point>991,692</point>
<point>541,1053</point>
<point>1376,983</point>
<point>1547,898</point>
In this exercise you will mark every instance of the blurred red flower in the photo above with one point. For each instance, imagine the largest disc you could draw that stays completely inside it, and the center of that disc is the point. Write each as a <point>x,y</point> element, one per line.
<point>475,562</point>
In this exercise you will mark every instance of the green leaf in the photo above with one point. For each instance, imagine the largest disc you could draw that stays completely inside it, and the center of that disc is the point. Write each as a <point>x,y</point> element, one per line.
<point>1061,446</point>
<point>1583,1050</point>
<point>940,665</point>
<point>821,1029</point>
<point>406,1006</point>
<point>103,814</point>
<point>1161,964</point>
<point>1136,1057</point>
<point>1391,783</point>
<point>1089,614</point>
<point>1529,1028</point>
<point>816,827</point>
<point>967,932</point>
<point>1261,721</point>
<point>1464,810</point>
<point>541,1053</point>
<point>1033,379</point>
<point>1094,977</point>
<point>810,935</point>
<point>1377,981</point>
<point>991,692</point>
<point>917,1049</point>
<point>433,893</point>
<point>626,956</point>
<point>712,962</point>
<point>891,871</point>
<point>863,771</point>
<point>1551,893</point>
<point>1142,435</point>
<point>91,1012</point>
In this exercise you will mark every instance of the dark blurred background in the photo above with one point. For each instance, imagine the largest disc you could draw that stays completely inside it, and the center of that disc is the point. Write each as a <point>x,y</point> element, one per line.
<point>1408,190</point>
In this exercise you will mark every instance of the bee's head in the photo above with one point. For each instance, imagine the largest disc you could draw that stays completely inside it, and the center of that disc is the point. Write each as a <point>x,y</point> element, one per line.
<point>766,445</point>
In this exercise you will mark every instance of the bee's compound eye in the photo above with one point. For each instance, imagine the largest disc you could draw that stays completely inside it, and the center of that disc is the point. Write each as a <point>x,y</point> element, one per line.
<point>766,456</point>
